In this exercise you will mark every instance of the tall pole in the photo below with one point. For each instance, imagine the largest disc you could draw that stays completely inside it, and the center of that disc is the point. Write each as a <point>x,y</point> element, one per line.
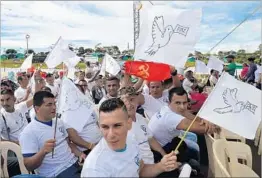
<point>27,37</point>
<point>136,18</point>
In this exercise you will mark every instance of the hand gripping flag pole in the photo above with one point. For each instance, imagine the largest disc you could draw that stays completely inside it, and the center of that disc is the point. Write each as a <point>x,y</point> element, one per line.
<point>187,130</point>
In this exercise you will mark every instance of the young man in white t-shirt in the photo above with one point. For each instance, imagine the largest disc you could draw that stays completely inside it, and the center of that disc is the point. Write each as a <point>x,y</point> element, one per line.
<point>50,83</point>
<point>189,83</point>
<point>158,96</point>
<point>142,133</point>
<point>167,124</point>
<point>117,155</point>
<point>37,142</point>
<point>112,86</point>
<point>23,92</point>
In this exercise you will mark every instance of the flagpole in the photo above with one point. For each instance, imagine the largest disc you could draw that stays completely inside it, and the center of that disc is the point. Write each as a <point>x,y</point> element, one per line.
<point>57,114</point>
<point>187,130</point>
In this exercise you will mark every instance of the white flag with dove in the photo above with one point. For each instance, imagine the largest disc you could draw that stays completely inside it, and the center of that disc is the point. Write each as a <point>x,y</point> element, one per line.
<point>59,53</point>
<point>167,35</point>
<point>75,108</point>
<point>27,62</point>
<point>231,107</point>
<point>109,65</point>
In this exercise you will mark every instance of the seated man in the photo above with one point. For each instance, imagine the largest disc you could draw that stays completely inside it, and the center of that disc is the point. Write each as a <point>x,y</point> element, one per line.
<point>117,155</point>
<point>140,129</point>
<point>167,124</point>
<point>37,142</point>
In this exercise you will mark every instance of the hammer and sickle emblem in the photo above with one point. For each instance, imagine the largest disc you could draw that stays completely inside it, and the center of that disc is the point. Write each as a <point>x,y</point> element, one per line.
<point>143,70</point>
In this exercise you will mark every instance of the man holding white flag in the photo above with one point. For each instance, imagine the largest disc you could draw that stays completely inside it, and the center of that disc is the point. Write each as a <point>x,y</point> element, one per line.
<point>230,107</point>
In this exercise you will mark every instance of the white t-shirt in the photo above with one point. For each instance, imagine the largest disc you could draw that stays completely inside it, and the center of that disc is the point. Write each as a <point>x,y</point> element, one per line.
<point>33,138</point>
<point>58,82</point>
<point>105,162</point>
<point>145,90</point>
<point>20,94</point>
<point>15,121</point>
<point>54,89</point>
<point>142,133</point>
<point>90,132</point>
<point>163,125</point>
<point>153,105</point>
<point>187,85</point>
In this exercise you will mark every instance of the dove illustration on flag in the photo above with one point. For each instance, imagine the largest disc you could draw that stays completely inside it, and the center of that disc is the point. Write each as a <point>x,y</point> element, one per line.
<point>231,107</point>
<point>75,107</point>
<point>168,35</point>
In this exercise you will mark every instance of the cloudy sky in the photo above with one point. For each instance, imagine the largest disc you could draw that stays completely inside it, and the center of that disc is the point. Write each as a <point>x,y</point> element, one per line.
<point>111,23</point>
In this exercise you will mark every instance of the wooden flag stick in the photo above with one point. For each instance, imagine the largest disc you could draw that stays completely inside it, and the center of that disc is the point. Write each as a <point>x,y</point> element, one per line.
<point>55,133</point>
<point>184,136</point>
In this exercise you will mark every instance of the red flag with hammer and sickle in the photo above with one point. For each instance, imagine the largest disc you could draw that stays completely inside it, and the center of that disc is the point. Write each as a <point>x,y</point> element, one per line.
<point>150,71</point>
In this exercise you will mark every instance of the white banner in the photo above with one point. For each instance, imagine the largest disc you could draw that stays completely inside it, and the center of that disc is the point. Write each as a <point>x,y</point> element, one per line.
<point>167,35</point>
<point>231,107</point>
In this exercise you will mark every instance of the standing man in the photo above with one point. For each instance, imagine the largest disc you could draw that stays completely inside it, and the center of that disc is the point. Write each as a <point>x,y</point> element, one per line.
<point>231,68</point>
<point>252,67</point>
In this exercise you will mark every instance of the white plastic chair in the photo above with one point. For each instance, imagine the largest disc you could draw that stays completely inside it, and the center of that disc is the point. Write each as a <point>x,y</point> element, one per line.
<point>209,143</point>
<point>6,146</point>
<point>226,155</point>
<point>231,136</point>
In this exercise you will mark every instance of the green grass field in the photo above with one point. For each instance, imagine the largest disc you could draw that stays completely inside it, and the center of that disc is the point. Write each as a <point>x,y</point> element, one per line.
<point>17,64</point>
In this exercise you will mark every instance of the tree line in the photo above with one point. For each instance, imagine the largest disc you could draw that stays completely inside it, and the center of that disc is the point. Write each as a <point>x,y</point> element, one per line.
<point>241,54</point>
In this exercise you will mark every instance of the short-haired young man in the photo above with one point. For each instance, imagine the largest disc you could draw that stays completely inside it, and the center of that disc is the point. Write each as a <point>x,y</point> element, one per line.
<point>117,154</point>
<point>112,87</point>
<point>37,142</point>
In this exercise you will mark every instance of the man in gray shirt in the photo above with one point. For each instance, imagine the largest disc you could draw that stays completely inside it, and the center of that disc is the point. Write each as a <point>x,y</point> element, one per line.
<point>250,77</point>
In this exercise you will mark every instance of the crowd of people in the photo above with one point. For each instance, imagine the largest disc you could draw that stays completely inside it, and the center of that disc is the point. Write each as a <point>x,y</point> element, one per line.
<point>133,130</point>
